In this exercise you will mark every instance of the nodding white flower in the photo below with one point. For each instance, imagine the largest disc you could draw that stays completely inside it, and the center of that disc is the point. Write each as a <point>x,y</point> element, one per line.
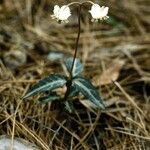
<point>61,13</point>
<point>98,13</point>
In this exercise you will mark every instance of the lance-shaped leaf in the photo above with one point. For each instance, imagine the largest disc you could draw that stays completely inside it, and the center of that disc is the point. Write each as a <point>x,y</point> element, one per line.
<point>89,91</point>
<point>49,83</point>
<point>49,98</point>
<point>77,68</point>
<point>69,106</point>
<point>73,91</point>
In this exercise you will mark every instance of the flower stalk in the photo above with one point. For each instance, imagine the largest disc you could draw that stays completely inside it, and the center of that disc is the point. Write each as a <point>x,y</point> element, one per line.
<point>77,39</point>
<point>75,53</point>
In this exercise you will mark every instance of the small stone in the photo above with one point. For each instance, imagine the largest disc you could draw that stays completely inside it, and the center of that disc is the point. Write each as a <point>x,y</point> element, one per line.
<point>18,144</point>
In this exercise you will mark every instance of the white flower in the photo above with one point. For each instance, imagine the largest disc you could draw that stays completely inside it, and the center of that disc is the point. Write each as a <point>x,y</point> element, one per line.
<point>61,13</point>
<point>98,12</point>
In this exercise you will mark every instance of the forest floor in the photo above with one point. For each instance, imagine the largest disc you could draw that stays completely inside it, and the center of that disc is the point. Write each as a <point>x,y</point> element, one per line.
<point>32,46</point>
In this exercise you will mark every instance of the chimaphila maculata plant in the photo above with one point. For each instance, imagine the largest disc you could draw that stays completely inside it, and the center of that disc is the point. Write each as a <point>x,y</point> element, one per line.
<point>74,83</point>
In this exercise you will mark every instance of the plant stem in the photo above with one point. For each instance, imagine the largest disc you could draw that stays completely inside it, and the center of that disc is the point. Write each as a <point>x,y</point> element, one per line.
<point>69,83</point>
<point>80,3</point>
<point>77,40</point>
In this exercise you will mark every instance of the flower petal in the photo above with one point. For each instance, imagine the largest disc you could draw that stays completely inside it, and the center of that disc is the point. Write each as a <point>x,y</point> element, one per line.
<point>56,9</point>
<point>64,13</point>
<point>98,12</point>
<point>61,14</point>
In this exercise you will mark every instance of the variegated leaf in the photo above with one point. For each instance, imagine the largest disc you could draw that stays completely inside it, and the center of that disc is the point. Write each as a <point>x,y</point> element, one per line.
<point>89,91</point>
<point>49,83</point>
<point>49,98</point>
<point>77,68</point>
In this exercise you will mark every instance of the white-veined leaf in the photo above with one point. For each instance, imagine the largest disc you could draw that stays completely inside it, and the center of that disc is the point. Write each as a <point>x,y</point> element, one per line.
<point>89,91</point>
<point>49,98</point>
<point>49,83</point>
<point>77,68</point>
<point>73,91</point>
<point>69,106</point>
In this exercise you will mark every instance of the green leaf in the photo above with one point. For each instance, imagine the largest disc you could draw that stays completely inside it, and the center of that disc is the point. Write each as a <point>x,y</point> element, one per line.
<point>89,91</point>
<point>77,68</point>
<point>49,83</point>
<point>69,106</point>
<point>49,98</point>
<point>73,91</point>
